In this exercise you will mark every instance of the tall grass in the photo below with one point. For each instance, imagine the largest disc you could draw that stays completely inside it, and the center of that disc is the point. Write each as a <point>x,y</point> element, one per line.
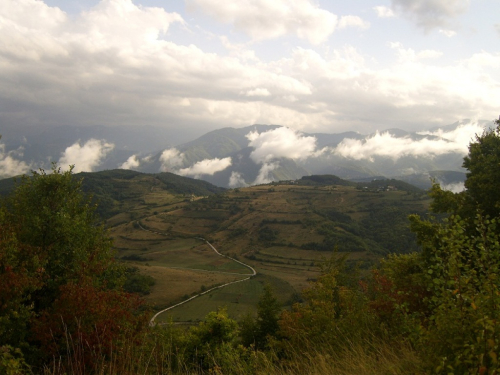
<point>163,351</point>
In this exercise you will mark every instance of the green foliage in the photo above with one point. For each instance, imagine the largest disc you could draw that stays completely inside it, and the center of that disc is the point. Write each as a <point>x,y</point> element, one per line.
<point>483,176</point>
<point>483,179</point>
<point>212,345</point>
<point>464,331</point>
<point>51,214</point>
<point>257,332</point>
<point>267,234</point>
<point>460,266</point>
<point>58,277</point>
<point>12,361</point>
<point>137,283</point>
<point>21,268</point>
<point>335,311</point>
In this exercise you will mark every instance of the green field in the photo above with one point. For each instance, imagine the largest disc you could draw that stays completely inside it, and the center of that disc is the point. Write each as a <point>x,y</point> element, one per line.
<point>239,299</point>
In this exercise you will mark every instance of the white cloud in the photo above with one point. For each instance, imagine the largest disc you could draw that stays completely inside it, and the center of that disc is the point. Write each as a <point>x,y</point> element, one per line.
<point>456,187</point>
<point>10,165</point>
<point>236,180</point>
<point>430,14</point>
<point>268,19</point>
<point>264,176</point>
<point>429,54</point>
<point>353,21</point>
<point>117,64</point>
<point>171,159</point>
<point>462,135</point>
<point>497,27</point>
<point>410,55</point>
<point>389,146</point>
<point>281,142</point>
<point>206,166</point>
<point>448,33</point>
<point>131,163</point>
<point>258,92</point>
<point>85,158</point>
<point>384,12</point>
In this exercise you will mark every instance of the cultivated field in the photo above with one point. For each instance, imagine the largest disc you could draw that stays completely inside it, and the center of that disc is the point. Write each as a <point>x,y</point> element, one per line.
<point>284,231</point>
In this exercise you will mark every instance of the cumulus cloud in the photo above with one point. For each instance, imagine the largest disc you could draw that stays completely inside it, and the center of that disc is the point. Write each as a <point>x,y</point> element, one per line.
<point>265,176</point>
<point>384,12</point>
<point>119,64</point>
<point>236,180</point>
<point>389,146</point>
<point>206,166</point>
<point>267,19</point>
<point>430,14</point>
<point>131,163</point>
<point>171,159</point>
<point>281,142</point>
<point>10,165</point>
<point>85,158</point>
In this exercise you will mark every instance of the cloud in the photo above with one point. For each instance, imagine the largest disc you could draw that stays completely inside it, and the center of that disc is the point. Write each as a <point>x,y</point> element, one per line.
<point>462,134</point>
<point>131,163</point>
<point>389,146</point>
<point>281,142</point>
<point>429,14</point>
<point>456,187</point>
<point>264,176</point>
<point>269,19</point>
<point>448,33</point>
<point>384,12</point>
<point>236,180</point>
<point>117,64</point>
<point>10,165</point>
<point>258,92</point>
<point>85,158</point>
<point>410,55</point>
<point>171,159</point>
<point>353,21</point>
<point>206,166</point>
<point>497,27</point>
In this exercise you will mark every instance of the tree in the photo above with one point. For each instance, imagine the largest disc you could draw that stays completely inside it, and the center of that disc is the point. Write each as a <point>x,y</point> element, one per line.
<point>268,311</point>
<point>61,275</point>
<point>483,176</point>
<point>460,262</point>
<point>257,331</point>
<point>482,182</point>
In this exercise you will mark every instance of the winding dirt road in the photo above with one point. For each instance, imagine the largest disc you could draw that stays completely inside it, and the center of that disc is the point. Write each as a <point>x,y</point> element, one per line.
<point>152,321</point>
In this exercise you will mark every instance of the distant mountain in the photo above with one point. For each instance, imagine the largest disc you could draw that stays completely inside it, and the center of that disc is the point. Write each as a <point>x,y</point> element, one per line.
<point>224,157</point>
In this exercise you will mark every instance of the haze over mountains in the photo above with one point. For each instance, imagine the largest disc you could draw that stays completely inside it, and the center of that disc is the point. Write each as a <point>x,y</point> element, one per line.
<point>256,154</point>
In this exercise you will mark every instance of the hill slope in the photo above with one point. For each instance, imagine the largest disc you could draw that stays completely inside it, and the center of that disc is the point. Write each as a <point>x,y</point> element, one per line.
<point>284,230</point>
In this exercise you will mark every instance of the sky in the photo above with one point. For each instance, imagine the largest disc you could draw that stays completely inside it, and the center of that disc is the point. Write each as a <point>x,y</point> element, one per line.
<point>197,65</point>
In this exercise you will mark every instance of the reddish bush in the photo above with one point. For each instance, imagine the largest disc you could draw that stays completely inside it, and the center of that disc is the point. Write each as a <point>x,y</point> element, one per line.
<point>86,324</point>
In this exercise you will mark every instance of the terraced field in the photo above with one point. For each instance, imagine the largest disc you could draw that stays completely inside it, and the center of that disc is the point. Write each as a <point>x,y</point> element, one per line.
<point>283,230</point>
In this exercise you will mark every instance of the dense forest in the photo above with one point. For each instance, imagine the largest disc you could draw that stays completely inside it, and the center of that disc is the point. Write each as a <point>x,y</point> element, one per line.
<point>63,309</point>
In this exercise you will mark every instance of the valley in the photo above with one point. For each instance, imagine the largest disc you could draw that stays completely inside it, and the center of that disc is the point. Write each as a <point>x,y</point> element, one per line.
<point>285,230</point>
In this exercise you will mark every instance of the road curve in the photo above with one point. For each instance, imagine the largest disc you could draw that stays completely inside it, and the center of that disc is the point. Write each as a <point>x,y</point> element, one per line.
<point>152,321</point>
